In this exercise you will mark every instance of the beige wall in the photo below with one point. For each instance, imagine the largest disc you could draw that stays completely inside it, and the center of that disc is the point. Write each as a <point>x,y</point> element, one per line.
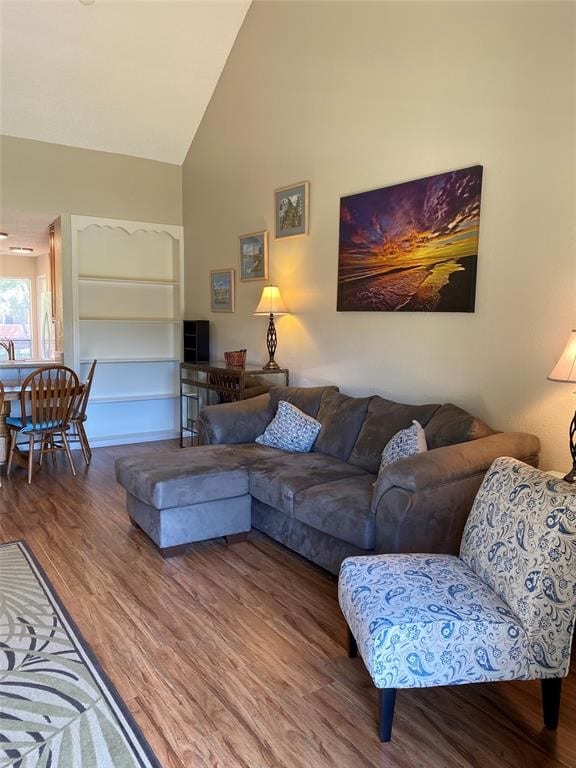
<point>355,96</point>
<point>51,178</point>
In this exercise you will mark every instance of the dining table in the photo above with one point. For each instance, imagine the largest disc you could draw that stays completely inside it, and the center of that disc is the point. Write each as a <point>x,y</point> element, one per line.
<point>11,393</point>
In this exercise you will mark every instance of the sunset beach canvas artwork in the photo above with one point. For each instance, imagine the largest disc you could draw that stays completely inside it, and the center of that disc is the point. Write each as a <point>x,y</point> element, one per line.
<point>411,247</point>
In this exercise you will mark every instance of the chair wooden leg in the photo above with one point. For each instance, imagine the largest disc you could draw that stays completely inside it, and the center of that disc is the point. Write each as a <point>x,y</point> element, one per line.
<point>45,441</point>
<point>30,457</point>
<point>352,645</point>
<point>11,452</point>
<point>68,452</point>
<point>551,692</point>
<point>84,444</point>
<point>386,701</point>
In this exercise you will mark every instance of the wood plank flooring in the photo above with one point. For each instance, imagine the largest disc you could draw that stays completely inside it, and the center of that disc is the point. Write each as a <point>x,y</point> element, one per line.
<point>235,655</point>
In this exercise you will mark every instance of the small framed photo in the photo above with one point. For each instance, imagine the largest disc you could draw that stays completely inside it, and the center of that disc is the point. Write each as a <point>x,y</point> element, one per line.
<point>291,210</point>
<point>254,256</point>
<point>222,290</point>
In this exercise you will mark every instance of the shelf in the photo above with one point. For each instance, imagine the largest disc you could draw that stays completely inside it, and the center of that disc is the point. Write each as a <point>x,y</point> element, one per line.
<point>127,301</point>
<point>116,360</point>
<point>129,320</point>
<point>130,280</point>
<point>196,340</point>
<point>130,398</point>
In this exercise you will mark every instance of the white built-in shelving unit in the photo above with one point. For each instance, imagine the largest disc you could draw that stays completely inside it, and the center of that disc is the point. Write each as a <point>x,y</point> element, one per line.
<point>127,296</point>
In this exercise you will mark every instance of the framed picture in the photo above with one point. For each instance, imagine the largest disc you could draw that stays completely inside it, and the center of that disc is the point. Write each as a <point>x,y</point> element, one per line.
<point>222,290</point>
<point>254,256</point>
<point>291,210</point>
<point>411,247</point>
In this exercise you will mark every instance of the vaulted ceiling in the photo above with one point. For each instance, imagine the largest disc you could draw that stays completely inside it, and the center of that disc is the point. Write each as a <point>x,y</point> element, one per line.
<point>126,76</point>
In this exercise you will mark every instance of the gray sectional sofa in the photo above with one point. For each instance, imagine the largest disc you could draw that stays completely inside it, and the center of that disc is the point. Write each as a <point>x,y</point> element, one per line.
<point>329,503</point>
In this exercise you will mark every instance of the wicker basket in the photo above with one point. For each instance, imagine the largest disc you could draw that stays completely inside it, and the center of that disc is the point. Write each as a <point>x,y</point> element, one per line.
<point>236,359</point>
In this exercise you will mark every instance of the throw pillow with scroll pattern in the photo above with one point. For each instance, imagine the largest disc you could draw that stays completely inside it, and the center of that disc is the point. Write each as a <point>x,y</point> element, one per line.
<point>290,429</point>
<point>404,443</point>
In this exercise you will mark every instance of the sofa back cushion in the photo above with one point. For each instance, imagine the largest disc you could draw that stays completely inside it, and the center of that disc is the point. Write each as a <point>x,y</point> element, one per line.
<point>451,424</point>
<point>306,399</point>
<point>341,417</point>
<point>383,419</point>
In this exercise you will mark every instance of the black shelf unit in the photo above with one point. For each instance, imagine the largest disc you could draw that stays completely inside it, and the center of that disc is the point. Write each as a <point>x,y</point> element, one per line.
<point>196,341</point>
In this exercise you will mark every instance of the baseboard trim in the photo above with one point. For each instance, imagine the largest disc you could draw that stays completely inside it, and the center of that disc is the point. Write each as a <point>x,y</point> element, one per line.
<point>101,441</point>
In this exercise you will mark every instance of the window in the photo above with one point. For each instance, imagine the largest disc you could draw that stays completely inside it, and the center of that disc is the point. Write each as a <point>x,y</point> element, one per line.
<point>16,314</point>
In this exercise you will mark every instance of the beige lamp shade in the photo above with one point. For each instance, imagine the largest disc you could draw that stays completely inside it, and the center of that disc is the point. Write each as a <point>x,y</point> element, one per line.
<point>565,368</point>
<point>271,302</point>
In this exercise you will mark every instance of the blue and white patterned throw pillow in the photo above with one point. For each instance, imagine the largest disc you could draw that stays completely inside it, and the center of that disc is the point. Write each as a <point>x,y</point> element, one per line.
<point>290,429</point>
<point>405,443</point>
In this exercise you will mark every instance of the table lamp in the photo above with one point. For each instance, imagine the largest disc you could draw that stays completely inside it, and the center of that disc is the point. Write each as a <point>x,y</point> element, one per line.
<point>565,370</point>
<point>271,304</point>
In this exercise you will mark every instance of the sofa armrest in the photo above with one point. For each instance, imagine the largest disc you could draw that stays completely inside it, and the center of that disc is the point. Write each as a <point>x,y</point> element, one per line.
<point>238,422</point>
<point>422,502</point>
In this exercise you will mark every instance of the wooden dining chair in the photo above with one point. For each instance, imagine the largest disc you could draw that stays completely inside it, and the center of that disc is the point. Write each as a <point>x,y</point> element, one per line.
<point>77,431</point>
<point>47,397</point>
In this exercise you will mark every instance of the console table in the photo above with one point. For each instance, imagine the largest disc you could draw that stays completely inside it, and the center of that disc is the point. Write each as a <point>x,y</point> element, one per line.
<point>204,384</point>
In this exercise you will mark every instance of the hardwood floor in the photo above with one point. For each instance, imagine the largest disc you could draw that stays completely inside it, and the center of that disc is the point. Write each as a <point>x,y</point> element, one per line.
<point>235,655</point>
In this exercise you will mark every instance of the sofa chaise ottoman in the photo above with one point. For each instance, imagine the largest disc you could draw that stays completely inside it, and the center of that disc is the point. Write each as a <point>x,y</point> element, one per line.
<point>176,501</point>
<point>332,502</point>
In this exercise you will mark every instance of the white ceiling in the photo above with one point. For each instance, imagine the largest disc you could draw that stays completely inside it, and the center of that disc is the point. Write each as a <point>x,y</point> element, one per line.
<point>126,76</point>
<point>29,230</point>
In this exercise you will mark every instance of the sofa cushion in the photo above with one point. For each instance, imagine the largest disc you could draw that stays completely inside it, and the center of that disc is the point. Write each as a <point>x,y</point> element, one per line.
<point>341,509</point>
<point>451,424</point>
<point>383,419</point>
<point>187,476</point>
<point>341,417</point>
<point>291,429</point>
<point>276,481</point>
<point>307,399</point>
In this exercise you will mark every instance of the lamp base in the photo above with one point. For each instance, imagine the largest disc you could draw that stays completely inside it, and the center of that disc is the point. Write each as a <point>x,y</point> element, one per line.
<point>271,343</point>
<point>571,476</point>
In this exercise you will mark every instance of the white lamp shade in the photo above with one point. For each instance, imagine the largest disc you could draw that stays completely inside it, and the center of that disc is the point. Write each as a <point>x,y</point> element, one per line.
<point>565,368</point>
<point>271,302</point>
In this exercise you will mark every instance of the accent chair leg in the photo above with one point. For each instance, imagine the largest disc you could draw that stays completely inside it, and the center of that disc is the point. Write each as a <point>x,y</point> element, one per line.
<point>551,691</point>
<point>386,701</point>
<point>352,645</point>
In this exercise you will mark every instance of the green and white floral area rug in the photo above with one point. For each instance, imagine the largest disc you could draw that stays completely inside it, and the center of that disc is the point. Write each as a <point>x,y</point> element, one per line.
<point>57,708</point>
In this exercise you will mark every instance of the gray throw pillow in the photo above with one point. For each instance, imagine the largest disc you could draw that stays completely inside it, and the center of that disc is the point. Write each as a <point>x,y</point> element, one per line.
<point>290,430</point>
<point>406,442</point>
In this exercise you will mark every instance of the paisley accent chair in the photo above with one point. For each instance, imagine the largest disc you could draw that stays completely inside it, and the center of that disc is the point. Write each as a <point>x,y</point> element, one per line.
<point>503,610</point>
